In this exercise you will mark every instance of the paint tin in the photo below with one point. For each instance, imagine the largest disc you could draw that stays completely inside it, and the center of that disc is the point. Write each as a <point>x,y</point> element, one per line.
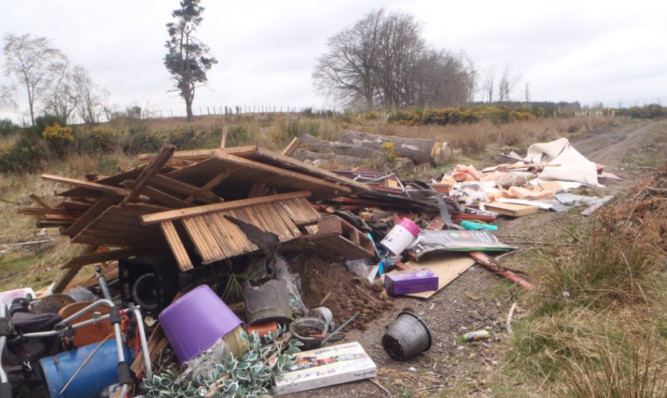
<point>401,236</point>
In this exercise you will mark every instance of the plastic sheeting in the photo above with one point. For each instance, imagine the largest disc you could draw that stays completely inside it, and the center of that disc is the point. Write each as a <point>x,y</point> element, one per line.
<point>573,165</point>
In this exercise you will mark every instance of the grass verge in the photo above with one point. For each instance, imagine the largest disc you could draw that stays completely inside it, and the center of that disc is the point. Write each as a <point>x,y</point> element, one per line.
<point>598,323</point>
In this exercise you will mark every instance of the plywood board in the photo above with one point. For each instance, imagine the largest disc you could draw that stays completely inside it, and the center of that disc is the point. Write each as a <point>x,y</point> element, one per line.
<point>510,209</point>
<point>446,267</point>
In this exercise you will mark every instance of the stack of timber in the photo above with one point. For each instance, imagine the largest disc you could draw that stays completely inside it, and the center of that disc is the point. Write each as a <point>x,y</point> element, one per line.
<point>183,201</point>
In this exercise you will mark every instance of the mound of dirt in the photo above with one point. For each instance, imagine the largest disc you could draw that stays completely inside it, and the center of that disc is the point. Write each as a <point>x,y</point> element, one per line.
<point>343,292</point>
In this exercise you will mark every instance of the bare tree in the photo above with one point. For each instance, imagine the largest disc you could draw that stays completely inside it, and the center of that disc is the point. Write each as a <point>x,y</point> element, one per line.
<point>489,85</point>
<point>60,100</point>
<point>526,92</point>
<point>90,98</point>
<point>33,62</point>
<point>348,70</point>
<point>401,47</point>
<point>506,85</point>
<point>441,80</point>
<point>186,59</point>
<point>382,60</point>
<point>6,98</point>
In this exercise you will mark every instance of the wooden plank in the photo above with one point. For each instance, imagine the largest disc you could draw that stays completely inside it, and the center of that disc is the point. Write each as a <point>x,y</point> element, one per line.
<point>91,214</point>
<point>291,147</point>
<point>164,198</point>
<point>212,183</point>
<point>510,209</point>
<point>176,245</point>
<point>217,207</point>
<point>40,201</point>
<point>86,184</point>
<point>223,139</point>
<point>169,184</point>
<point>292,163</point>
<point>156,343</point>
<point>153,167</point>
<point>62,282</point>
<point>98,257</point>
<point>259,166</point>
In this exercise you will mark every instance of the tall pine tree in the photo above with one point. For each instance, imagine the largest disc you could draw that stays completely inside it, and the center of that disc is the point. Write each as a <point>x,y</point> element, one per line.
<point>187,59</point>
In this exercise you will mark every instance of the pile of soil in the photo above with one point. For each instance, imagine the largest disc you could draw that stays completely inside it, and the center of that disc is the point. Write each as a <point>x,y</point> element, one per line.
<point>345,292</point>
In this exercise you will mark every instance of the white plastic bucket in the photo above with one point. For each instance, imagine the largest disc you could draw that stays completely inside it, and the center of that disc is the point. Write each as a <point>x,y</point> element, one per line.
<point>401,236</point>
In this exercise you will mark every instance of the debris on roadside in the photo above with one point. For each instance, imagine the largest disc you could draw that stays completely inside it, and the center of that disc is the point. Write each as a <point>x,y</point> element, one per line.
<point>225,248</point>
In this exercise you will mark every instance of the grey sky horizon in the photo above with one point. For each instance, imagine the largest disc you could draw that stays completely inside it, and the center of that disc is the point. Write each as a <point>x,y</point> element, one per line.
<point>608,52</point>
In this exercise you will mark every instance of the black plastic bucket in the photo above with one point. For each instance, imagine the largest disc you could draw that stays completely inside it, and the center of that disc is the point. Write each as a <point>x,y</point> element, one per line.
<point>406,337</point>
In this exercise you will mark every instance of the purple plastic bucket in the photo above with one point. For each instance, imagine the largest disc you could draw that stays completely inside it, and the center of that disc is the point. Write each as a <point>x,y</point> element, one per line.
<point>196,321</point>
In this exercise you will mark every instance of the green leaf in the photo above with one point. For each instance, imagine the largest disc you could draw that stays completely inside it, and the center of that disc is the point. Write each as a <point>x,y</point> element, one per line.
<point>244,335</point>
<point>252,357</point>
<point>233,387</point>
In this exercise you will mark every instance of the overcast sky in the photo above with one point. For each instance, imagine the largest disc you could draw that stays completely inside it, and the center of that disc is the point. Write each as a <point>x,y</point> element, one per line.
<point>611,51</point>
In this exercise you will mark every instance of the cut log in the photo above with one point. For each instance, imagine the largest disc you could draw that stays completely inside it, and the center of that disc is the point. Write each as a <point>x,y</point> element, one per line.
<point>416,149</point>
<point>339,148</point>
<point>330,160</point>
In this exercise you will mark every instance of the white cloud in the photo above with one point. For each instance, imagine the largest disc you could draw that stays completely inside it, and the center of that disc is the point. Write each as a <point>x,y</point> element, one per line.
<point>607,51</point>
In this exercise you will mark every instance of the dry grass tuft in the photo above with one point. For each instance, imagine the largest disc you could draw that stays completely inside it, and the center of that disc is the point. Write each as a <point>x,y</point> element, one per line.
<point>599,325</point>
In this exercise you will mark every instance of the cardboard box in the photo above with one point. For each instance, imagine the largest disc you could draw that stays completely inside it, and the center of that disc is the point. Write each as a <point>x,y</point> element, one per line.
<point>326,366</point>
<point>417,281</point>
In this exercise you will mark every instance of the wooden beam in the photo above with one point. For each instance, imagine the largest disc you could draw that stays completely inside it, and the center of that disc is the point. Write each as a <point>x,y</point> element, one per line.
<point>216,207</point>
<point>212,183</point>
<point>99,257</point>
<point>92,213</point>
<point>64,280</point>
<point>153,167</point>
<point>158,196</point>
<point>40,201</point>
<point>183,188</point>
<point>291,147</point>
<point>263,167</point>
<point>223,140</point>
<point>86,184</point>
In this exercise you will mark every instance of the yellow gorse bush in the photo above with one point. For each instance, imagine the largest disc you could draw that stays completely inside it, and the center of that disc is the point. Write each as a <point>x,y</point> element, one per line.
<point>58,134</point>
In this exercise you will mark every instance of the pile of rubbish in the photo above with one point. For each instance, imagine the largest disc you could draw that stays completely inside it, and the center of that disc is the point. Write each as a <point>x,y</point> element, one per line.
<point>194,251</point>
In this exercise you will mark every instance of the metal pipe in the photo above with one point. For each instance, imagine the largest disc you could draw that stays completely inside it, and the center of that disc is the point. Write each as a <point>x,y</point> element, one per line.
<point>144,343</point>
<point>82,311</point>
<point>119,342</point>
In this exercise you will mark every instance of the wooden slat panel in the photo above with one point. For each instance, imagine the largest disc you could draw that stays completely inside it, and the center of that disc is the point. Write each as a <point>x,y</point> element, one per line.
<point>218,207</point>
<point>177,248</point>
<point>95,211</point>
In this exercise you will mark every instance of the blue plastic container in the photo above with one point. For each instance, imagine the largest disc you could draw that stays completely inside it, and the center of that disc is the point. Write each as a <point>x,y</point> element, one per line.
<point>99,373</point>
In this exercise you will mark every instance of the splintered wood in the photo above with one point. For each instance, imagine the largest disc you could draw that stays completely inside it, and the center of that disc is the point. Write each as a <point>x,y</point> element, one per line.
<point>178,202</point>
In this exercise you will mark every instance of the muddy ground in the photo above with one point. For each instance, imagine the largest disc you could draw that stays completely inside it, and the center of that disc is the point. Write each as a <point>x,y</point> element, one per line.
<point>477,299</point>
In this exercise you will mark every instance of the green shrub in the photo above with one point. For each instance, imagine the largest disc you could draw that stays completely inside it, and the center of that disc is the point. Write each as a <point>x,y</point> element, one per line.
<point>141,141</point>
<point>22,155</point>
<point>7,127</point>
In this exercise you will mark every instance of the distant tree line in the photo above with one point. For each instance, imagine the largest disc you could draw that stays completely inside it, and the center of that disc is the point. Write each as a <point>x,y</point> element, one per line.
<point>383,62</point>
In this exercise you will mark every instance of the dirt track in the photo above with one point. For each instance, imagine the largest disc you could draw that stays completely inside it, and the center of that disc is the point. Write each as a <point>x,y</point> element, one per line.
<point>477,299</point>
